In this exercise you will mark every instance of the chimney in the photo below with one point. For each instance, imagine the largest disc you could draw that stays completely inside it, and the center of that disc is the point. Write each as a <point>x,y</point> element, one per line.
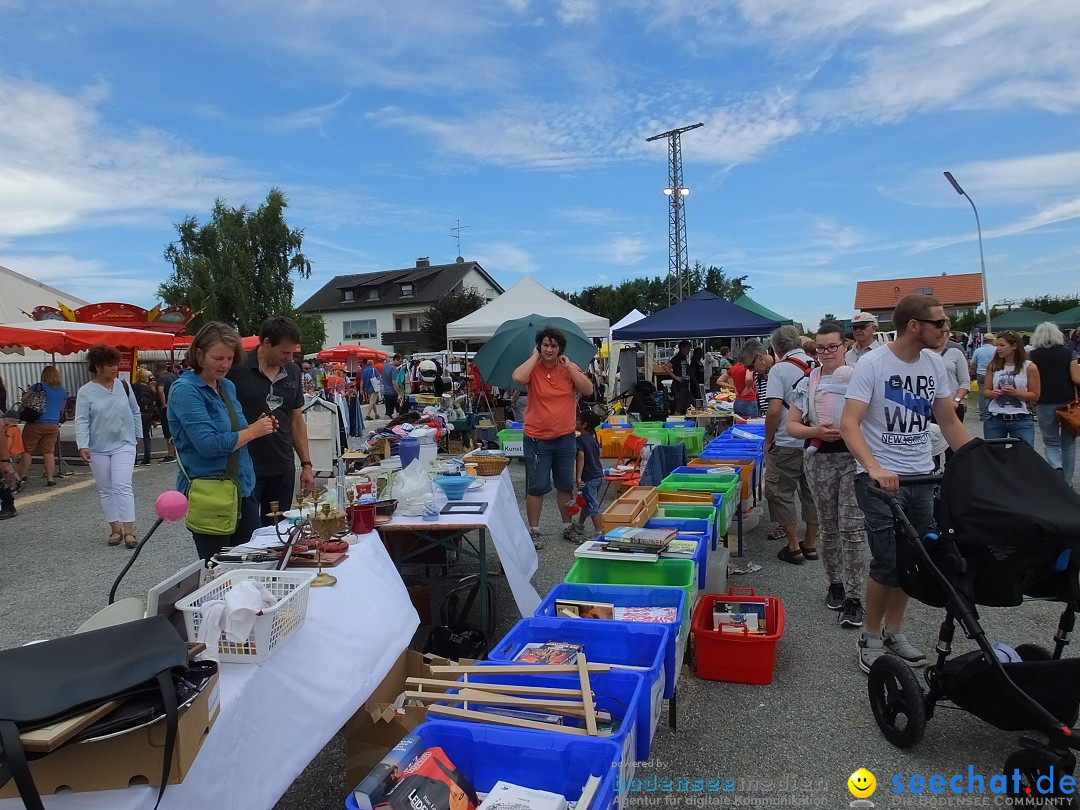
<point>423,261</point>
<point>461,260</point>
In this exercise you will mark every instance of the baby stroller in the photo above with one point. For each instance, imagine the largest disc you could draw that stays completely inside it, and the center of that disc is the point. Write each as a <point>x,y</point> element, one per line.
<point>1008,529</point>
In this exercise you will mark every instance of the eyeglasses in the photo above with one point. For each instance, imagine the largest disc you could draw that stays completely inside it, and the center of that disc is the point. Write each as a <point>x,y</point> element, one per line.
<point>830,349</point>
<point>940,323</point>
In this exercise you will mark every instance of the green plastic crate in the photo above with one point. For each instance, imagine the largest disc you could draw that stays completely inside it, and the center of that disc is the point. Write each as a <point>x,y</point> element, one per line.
<point>692,437</point>
<point>717,517</point>
<point>665,573</point>
<point>660,435</point>
<point>512,442</point>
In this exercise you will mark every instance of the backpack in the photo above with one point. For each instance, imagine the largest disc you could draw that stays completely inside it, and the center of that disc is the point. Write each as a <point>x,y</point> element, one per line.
<point>806,368</point>
<point>145,397</point>
<point>32,405</point>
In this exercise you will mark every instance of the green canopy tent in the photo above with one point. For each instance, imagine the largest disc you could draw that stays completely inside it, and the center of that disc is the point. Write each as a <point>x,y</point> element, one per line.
<point>1068,319</point>
<point>746,302</point>
<point>1019,320</point>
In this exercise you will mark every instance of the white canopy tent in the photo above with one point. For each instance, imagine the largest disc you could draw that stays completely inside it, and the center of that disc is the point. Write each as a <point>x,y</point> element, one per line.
<point>524,298</point>
<point>633,316</point>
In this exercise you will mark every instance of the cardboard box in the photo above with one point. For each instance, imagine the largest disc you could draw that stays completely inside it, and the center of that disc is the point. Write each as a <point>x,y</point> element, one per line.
<point>130,759</point>
<point>377,727</point>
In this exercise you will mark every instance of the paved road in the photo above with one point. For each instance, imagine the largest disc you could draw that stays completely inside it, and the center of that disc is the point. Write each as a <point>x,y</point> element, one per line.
<point>793,742</point>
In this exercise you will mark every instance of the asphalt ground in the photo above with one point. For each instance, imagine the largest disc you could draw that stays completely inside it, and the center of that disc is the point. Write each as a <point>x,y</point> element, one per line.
<point>793,742</point>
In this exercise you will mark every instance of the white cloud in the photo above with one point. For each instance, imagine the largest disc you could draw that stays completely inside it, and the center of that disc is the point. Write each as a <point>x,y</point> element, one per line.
<point>62,166</point>
<point>90,279</point>
<point>503,257</point>
<point>620,249</point>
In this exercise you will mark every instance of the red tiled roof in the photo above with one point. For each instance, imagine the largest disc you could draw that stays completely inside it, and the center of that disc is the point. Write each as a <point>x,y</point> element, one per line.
<point>951,291</point>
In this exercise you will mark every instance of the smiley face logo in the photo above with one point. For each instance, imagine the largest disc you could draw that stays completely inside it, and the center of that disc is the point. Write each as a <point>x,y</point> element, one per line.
<point>862,784</point>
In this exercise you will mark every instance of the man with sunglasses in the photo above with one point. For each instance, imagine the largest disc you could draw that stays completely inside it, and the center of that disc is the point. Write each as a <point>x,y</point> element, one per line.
<point>863,331</point>
<point>890,399</point>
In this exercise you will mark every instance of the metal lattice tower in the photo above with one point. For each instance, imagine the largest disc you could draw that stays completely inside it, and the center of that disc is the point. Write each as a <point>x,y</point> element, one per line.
<point>678,264</point>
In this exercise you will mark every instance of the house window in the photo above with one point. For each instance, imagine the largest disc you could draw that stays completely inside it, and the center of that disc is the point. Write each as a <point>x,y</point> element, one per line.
<point>373,294</point>
<point>348,296</point>
<point>406,290</point>
<point>359,330</point>
<point>405,323</point>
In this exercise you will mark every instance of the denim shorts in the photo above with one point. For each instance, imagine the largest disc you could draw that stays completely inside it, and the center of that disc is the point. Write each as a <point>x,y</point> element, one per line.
<point>881,529</point>
<point>551,461</point>
<point>591,493</point>
<point>746,408</point>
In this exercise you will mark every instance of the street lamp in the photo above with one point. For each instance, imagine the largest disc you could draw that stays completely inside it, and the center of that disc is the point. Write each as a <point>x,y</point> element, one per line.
<point>978,229</point>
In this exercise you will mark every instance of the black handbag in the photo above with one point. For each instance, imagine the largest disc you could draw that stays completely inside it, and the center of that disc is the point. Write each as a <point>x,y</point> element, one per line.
<point>42,684</point>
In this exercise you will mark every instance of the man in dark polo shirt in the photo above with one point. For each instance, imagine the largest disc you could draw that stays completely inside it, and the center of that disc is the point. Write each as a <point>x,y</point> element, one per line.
<point>268,370</point>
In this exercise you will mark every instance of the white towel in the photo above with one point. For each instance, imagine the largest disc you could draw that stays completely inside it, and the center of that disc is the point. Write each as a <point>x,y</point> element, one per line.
<point>243,604</point>
<point>211,614</point>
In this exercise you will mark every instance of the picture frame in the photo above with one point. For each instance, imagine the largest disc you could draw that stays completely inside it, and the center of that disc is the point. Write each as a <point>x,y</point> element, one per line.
<point>464,508</point>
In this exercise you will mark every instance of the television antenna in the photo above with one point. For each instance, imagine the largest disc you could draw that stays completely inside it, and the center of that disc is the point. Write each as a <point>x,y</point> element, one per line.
<point>455,233</point>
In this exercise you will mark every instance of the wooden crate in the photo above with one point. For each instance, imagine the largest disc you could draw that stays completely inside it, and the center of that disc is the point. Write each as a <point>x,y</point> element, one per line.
<point>632,508</point>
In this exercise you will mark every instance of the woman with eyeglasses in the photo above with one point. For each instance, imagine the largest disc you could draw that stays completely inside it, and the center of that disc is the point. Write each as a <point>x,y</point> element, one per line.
<point>814,416</point>
<point>1012,385</point>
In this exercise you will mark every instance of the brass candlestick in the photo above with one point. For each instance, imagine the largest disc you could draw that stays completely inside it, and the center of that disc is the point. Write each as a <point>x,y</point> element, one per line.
<point>325,524</point>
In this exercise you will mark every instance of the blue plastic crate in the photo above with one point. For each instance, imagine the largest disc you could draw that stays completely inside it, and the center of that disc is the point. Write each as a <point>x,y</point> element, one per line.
<point>542,760</point>
<point>703,539</point>
<point>632,596</point>
<point>621,693</point>
<point>618,643</point>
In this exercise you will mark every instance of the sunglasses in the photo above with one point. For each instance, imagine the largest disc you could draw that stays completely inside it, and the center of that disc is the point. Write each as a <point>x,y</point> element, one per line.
<point>940,323</point>
<point>862,325</point>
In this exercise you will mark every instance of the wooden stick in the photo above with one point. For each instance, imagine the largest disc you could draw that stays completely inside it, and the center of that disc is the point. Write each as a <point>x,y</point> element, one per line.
<point>497,687</point>
<point>572,708</point>
<point>485,717</point>
<point>517,669</point>
<point>586,694</point>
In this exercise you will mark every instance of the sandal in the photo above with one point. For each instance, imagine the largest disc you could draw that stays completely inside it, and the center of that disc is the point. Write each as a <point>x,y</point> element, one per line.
<point>115,538</point>
<point>809,553</point>
<point>134,541</point>
<point>787,555</point>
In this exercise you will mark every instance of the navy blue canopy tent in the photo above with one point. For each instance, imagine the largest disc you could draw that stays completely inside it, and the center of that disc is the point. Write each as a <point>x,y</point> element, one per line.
<point>702,315</point>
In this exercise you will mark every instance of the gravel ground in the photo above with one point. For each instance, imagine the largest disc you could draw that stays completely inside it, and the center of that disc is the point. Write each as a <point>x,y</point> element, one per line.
<point>791,743</point>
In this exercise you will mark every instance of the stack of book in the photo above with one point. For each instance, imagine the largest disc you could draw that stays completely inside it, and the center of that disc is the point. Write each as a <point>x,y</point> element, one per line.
<point>743,616</point>
<point>583,609</point>
<point>631,543</point>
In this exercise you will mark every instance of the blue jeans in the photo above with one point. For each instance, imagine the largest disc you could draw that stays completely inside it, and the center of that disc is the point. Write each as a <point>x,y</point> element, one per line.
<point>746,408</point>
<point>1060,446</point>
<point>998,426</point>
<point>551,461</point>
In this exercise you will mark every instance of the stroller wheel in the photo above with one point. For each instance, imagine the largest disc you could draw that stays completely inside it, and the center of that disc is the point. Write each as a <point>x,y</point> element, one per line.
<point>1031,765</point>
<point>896,698</point>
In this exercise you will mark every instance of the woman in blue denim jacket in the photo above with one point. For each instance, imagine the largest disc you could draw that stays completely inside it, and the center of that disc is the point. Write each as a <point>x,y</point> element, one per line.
<point>203,431</point>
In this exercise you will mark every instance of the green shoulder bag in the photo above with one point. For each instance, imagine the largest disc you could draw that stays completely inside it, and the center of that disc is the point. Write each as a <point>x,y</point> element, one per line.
<point>214,501</point>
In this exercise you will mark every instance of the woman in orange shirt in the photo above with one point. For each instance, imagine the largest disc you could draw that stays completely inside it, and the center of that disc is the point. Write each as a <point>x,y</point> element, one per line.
<point>553,383</point>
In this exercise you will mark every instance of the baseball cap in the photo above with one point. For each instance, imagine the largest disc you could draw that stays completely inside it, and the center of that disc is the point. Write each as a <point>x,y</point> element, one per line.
<point>864,317</point>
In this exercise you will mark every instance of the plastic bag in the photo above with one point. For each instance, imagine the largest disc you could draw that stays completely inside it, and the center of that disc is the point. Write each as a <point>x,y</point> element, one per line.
<point>413,484</point>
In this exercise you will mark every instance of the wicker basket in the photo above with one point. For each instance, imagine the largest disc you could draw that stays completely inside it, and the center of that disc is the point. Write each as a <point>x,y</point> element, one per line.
<point>489,465</point>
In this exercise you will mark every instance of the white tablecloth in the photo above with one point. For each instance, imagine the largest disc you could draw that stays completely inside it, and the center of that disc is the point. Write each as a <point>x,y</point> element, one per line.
<point>276,716</point>
<point>502,519</point>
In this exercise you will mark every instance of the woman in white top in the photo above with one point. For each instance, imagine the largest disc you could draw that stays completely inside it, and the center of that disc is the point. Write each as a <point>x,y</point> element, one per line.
<point>1012,384</point>
<point>108,425</point>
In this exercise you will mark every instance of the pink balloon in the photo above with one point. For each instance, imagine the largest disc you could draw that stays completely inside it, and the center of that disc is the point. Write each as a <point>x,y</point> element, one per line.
<point>171,505</point>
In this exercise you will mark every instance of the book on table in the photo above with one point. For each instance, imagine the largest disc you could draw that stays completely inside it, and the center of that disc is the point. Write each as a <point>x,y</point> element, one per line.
<point>507,796</point>
<point>734,615</point>
<point>549,652</point>
<point>681,549</point>
<point>582,609</point>
<point>431,782</point>
<point>602,550</point>
<point>654,539</point>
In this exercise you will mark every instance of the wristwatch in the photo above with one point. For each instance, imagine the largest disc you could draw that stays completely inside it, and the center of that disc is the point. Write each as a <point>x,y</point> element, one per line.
<point>306,464</point>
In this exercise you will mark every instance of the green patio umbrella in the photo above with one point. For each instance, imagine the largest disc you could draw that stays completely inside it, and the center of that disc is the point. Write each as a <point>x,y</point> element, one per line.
<point>515,340</point>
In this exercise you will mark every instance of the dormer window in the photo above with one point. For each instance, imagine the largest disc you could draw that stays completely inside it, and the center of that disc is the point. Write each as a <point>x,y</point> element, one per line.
<point>347,296</point>
<point>373,294</point>
<point>406,290</point>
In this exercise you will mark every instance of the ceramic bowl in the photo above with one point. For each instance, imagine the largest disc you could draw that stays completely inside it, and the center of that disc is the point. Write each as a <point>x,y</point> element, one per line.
<point>386,507</point>
<point>454,486</point>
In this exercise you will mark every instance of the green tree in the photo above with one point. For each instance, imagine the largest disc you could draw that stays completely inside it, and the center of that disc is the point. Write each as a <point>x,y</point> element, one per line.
<point>312,330</point>
<point>1052,304</point>
<point>238,267</point>
<point>716,281</point>
<point>452,307</point>
<point>828,318</point>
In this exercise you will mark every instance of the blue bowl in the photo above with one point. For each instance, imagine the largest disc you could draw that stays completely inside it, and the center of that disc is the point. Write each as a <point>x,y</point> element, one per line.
<point>454,486</point>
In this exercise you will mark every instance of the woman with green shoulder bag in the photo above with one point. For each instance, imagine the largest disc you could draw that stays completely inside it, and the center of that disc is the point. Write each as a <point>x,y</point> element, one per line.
<point>211,434</point>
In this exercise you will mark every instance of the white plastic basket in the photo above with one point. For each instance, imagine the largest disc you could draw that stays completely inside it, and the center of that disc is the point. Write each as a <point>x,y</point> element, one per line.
<point>272,627</point>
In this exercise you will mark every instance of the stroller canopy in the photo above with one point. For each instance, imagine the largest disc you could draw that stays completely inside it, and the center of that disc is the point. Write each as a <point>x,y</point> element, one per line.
<point>1007,495</point>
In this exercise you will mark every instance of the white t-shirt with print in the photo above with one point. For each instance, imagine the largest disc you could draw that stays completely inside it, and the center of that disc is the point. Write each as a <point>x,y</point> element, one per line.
<point>900,399</point>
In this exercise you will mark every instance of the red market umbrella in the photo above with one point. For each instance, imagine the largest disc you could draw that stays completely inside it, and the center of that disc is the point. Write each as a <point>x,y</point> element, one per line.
<point>81,336</point>
<point>16,336</point>
<point>340,354</point>
<point>249,342</point>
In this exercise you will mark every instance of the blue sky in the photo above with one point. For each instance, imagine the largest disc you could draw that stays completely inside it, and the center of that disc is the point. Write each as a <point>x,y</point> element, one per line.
<point>828,124</point>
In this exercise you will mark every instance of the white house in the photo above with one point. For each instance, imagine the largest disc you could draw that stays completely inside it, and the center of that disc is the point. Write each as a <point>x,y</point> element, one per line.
<point>384,310</point>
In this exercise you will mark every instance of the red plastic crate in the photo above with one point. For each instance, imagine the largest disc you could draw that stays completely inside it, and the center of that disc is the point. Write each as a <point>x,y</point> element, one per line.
<point>732,657</point>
